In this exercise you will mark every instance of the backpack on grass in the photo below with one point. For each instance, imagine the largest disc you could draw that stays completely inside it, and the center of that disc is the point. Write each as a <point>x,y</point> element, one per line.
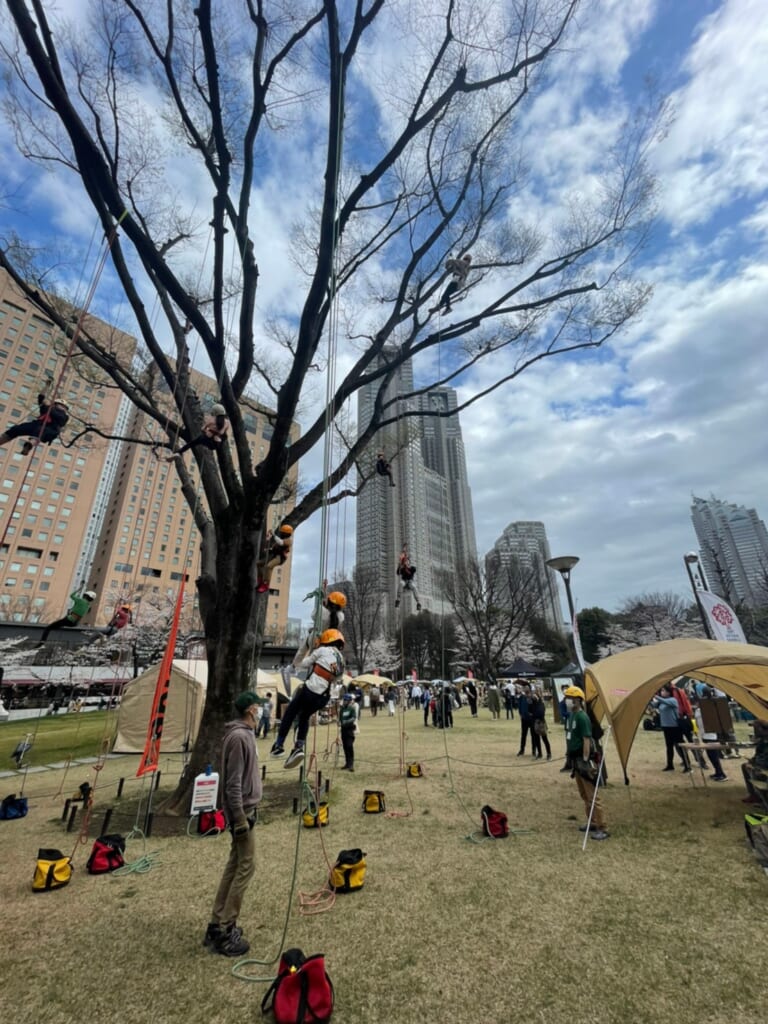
<point>106,855</point>
<point>495,824</point>
<point>373,801</point>
<point>348,873</point>
<point>316,818</point>
<point>302,992</point>
<point>211,823</point>
<point>13,807</point>
<point>52,871</point>
<point>414,770</point>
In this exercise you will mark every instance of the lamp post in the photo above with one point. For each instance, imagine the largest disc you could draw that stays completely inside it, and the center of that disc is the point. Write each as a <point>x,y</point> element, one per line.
<point>563,565</point>
<point>690,560</point>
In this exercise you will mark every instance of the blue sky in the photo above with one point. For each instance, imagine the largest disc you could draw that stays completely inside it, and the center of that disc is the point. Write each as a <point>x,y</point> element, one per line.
<point>605,450</point>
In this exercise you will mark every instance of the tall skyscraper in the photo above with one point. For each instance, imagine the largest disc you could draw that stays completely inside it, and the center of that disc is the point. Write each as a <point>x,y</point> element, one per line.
<point>430,509</point>
<point>526,543</point>
<point>733,546</point>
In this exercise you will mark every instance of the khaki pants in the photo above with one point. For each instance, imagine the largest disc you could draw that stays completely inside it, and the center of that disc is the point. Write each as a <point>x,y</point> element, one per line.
<point>240,869</point>
<point>586,792</point>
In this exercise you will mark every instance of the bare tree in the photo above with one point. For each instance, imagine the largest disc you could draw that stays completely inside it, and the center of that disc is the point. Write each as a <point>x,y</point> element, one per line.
<point>426,641</point>
<point>219,97</point>
<point>493,611</point>
<point>362,617</point>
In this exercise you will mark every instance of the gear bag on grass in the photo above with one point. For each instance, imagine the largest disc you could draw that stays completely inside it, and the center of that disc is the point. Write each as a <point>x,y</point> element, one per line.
<point>52,871</point>
<point>348,873</point>
<point>302,992</point>
<point>106,855</point>
<point>211,823</point>
<point>494,823</point>
<point>316,818</point>
<point>414,770</point>
<point>373,801</point>
<point>13,807</point>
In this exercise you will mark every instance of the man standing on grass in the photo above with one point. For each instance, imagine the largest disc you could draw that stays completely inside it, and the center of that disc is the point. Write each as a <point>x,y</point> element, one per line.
<point>578,739</point>
<point>241,792</point>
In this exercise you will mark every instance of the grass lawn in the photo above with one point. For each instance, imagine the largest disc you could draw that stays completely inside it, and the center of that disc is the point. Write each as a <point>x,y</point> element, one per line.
<point>663,922</point>
<point>57,738</point>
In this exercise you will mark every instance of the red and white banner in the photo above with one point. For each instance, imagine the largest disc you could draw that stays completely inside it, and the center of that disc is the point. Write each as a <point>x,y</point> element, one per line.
<point>150,759</point>
<point>723,622</point>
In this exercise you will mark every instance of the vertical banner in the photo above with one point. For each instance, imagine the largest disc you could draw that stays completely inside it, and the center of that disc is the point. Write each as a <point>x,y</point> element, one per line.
<point>722,619</point>
<point>150,759</point>
<point>577,644</point>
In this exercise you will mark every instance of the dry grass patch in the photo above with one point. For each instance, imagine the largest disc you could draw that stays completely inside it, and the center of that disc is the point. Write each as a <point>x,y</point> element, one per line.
<point>664,919</point>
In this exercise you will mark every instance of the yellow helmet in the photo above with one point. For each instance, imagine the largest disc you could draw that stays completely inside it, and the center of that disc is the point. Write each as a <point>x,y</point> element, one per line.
<point>574,691</point>
<point>331,636</point>
<point>336,597</point>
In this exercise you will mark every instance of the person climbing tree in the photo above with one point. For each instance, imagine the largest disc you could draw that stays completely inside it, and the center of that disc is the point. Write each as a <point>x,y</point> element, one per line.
<point>81,605</point>
<point>122,617</point>
<point>326,666</point>
<point>278,549</point>
<point>46,428</point>
<point>407,572</point>
<point>331,617</point>
<point>383,468</point>
<point>460,269</point>
<point>215,429</point>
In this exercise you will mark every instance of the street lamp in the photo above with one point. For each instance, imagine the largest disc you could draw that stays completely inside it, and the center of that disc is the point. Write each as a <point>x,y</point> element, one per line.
<point>690,560</point>
<point>563,565</point>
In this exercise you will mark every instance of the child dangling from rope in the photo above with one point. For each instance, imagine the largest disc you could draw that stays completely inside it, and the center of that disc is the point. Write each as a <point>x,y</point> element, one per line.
<point>81,605</point>
<point>325,666</point>
<point>331,617</point>
<point>45,429</point>
<point>460,269</point>
<point>213,434</point>
<point>407,572</point>
<point>278,549</point>
<point>122,618</point>
<point>383,468</point>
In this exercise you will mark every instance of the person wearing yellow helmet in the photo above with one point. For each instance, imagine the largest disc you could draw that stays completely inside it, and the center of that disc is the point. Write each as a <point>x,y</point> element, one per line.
<point>324,666</point>
<point>212,436</point>
<point>278,548</point>
<point>579,751</point>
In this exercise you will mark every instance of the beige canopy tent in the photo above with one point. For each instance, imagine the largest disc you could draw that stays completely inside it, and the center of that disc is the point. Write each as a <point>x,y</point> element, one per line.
<point>184,708</point>
<point>371,679</point>
<point>622,686</point>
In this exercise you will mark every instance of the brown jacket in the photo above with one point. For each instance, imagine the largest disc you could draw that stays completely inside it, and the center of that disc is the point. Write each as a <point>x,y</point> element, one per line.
<point>240,777</point>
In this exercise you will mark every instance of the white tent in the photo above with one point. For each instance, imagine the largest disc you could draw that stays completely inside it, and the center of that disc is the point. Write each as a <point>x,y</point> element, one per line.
<point>183,710</point>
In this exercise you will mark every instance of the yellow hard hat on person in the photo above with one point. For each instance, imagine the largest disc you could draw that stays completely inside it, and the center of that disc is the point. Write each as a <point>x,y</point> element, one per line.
<point>574,691</point>
<point>336,597</point>
<point>331,636</point>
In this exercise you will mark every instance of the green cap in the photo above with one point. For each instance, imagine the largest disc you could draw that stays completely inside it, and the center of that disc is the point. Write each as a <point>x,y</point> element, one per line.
<point>245,700</point>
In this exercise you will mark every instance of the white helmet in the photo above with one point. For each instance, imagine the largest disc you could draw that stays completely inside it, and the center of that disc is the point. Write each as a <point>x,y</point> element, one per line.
<point>90,595</point>
<point>218,410</point>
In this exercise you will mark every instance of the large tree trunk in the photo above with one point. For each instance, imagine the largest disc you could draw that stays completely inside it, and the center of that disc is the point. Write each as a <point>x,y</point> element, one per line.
<point>233,618</point>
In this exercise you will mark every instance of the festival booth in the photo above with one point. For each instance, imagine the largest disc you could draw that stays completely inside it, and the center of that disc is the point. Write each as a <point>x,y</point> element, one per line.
<point>620,687</point>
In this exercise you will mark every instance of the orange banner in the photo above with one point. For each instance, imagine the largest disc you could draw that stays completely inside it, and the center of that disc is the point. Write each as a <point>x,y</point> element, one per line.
<point>150,759</point>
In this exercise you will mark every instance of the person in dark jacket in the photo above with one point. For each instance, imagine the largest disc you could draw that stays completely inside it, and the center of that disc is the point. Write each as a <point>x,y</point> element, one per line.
<point>348,726</point>
<point>526,721</point>
<point>471,691</point>
<point>241,791</point>
<point>538,710</point>
<point>45,429</point>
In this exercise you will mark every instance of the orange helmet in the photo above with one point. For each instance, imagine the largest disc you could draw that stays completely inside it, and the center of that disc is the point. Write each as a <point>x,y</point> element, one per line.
<point>336,597</point>
<point>286,530</point>
<point>331,636</point>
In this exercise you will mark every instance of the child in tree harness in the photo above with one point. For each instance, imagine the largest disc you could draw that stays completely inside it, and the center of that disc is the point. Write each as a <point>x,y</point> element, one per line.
<point>80,606</point>
<point>325,666</point>
<point>122,617</point>
<point>383,468</point>
<point>407,572</point>
<point>213,434</point>
<point>278,549</point>
<point>46,428</point>
<point>331,617</point>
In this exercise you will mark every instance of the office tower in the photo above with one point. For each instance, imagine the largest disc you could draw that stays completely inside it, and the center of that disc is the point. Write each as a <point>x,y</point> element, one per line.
<point>49,494</point>
<point>526,543</point>
<point>733,545</point>
<point>430,509</point>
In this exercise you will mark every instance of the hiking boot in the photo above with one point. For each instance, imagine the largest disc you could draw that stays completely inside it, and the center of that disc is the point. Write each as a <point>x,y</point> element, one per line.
<point>276,751</point>
<point>599,834</point>
<point>669,768</point>
<point>718,778</point>
<point>295,757</point>
<point>26,448</point>
<point>592,828</point>
<point>212,935</point>
<point>230,942</point>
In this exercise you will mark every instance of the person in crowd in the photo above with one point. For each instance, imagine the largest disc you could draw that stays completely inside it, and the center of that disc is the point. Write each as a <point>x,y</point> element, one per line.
<point>265,717</point>
<point>391,701</point>
<point>508,691</point>
<point>414,699</point>
<point>578,739</point>
<point>538,711</point>
<point>757,765</point>
<point>493,698</point>
<point>667,707</point>
<point>426,700</point>
<point>373,696</point>
<point>470,689</point>
<point>348,728</point>
<point>325,665</point>
<point>526,719</point>
<point>241,792</point>
<point>685,718</point>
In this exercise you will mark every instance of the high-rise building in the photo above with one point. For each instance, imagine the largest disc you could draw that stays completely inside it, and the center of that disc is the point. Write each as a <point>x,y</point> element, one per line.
<point>429,511</point>
<point>526,544</point>
<point>733,547</point>
<point>47,503</point>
